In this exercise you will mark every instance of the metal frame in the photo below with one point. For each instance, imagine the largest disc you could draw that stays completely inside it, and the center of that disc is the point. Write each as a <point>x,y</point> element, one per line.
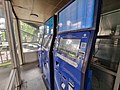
<point>11,80</point>
<point>110,12</point>
<point>18,36</point>
<point>92,37</point>
<point>116,74</point>
<point>108,37</point>
<point>12,42</point>
<point>104,69</point>
<point>19,41</point>
<point>117,80</point>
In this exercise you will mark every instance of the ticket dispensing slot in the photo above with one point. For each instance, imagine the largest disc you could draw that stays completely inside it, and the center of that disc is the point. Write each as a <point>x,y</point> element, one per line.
<point>81,55</point>
<point>57,65</point>
<point>70,86</point>
<point>63,84</point>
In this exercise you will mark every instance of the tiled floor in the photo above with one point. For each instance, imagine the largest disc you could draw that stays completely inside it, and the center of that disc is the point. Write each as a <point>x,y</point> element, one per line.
<point>4,76</point>
<point>32,77</point>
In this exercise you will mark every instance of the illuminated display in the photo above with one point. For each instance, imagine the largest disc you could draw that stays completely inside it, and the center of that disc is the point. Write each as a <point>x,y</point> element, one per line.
<point>69,47</point>
<point>49,25</point>
<point>77,15</point>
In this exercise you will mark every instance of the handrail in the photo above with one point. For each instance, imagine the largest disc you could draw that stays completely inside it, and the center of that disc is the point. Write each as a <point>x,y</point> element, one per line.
<point>11,80</point>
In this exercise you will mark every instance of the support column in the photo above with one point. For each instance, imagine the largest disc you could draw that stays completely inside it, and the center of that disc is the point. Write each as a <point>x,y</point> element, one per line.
<point>11,40</point>
<point>117,80</point>
<point>19,41</point>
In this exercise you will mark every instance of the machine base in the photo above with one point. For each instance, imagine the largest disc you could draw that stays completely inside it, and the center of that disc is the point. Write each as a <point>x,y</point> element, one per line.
<point>45,82</point>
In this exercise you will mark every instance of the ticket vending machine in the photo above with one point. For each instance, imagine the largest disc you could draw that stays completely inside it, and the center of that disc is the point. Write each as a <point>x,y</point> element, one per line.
<point>41,36</point>
<point>47,52</point>
<point>78,24</point>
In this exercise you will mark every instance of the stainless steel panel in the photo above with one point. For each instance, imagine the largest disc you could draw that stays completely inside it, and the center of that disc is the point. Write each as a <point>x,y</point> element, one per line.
<point>110,24</point>
<point>107,53</point>
<point>102,80</point>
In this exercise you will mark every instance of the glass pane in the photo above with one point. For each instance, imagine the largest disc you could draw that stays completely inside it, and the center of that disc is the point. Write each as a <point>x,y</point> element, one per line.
<point>31,36</point>
<point>107,53</point>
<point>101,80</point>
<point>107,50</point>
<point>5,58</point>
<point>110,24</point>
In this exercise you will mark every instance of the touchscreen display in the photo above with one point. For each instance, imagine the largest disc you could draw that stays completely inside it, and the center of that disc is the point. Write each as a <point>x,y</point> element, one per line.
<point>69,47</point>
<point>77,15</point>
<point>49,25</point>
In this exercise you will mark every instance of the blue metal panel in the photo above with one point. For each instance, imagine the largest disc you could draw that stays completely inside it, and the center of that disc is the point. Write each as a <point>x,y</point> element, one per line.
<point>40,58</point>
<point>46,60</point>
<point>78,26</point>
<point>46,67</point>
<point>70,71</point>
<point>47,50</point>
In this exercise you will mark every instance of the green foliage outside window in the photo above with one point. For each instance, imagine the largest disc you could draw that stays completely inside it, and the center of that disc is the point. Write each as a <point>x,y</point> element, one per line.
<point>29,33</point>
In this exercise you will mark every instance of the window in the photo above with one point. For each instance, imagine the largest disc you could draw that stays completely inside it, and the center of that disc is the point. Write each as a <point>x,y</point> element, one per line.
<point>31,36</point>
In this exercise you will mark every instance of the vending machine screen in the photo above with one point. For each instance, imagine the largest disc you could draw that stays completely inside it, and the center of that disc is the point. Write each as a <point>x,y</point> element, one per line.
<point>77,15</point>
<point>49,25</point>
<point>69,47</point>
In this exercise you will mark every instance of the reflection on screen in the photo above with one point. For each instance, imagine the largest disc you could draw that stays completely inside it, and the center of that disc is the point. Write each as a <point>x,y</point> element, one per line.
<point>47,41</point>
<point>69,47</point>
<point>77,15</point>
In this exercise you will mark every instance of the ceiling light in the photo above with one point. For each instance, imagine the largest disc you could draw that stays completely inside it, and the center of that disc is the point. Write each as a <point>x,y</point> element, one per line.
<point>33,15</point>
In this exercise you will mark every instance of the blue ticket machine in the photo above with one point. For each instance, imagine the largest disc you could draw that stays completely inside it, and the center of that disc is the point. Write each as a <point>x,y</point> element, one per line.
<point>47,52</point>
<point>41,29</point>
<point>78,24</point>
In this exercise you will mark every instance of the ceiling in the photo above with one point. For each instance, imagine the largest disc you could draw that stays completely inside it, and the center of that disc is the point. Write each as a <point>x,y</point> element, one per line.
<point>46,8</point>
<point>43,8</point>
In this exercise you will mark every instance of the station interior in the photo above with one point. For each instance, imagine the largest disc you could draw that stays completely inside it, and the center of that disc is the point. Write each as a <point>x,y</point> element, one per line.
<point>59,44</point>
